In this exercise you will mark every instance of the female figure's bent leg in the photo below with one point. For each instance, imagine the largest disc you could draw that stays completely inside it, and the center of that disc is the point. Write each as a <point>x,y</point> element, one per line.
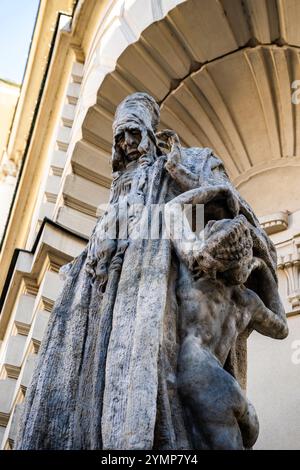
<point>218,414</point>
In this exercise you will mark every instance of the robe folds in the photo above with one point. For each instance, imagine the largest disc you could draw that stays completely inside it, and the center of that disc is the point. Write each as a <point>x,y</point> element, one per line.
<point>106,373</point>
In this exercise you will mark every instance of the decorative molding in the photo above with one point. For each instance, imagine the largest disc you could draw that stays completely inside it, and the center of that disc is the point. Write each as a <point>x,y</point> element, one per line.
<point>274,223</point>
<point>30,286</point>
<point>4,418</point>
<point>22,328</point>
<point>12,372</point>
<point>288,161</point>
<point>290,265</point>
<point>36,345</point>
<point>46,304</point>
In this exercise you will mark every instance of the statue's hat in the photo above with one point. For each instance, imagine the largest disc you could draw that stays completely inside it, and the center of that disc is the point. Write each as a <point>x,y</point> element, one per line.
<point>138,109</point>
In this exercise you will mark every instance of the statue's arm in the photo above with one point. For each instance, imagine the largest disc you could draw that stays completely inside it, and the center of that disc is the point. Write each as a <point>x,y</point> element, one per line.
<point>268,321</point>
<point>212,170</point>
<point>182,175</point>
<point>185,178</point>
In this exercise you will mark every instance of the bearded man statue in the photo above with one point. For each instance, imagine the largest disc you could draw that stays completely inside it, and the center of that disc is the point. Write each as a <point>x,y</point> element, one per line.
<point>146,345</point>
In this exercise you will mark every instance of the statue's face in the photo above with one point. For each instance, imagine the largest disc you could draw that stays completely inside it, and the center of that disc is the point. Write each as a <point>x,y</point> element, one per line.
<point>128,141</point>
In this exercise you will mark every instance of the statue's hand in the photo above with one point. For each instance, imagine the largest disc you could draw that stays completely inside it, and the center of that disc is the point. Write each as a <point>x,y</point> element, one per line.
<point>171,143</point>
<point>174,165</point>
<point>174,157</point>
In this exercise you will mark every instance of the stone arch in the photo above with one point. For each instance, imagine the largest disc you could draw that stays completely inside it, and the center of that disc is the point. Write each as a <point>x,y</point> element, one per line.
<point>222,73</point>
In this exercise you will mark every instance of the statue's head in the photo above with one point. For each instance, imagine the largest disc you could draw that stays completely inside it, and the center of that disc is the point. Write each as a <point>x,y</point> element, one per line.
<point>135,124</point>
<point>231,245</point>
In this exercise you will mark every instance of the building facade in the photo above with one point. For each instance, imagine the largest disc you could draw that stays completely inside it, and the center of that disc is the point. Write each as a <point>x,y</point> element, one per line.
<point>9,95</point>
<point>225,75</point>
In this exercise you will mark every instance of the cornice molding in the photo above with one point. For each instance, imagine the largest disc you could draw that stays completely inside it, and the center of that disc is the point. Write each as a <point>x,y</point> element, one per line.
<point>49,252</point>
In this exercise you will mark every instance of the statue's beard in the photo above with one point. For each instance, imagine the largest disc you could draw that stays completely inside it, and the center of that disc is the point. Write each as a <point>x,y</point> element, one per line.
<point>132,155</point>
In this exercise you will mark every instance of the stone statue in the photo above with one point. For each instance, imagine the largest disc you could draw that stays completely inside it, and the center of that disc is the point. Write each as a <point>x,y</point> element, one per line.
<point>146,345</point>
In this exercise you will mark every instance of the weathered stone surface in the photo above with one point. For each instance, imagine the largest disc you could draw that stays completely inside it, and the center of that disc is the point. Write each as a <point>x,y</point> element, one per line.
<point>146,345</point>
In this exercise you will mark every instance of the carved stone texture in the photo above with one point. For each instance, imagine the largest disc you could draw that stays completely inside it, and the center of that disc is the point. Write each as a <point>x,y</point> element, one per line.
<point>146,346</point>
